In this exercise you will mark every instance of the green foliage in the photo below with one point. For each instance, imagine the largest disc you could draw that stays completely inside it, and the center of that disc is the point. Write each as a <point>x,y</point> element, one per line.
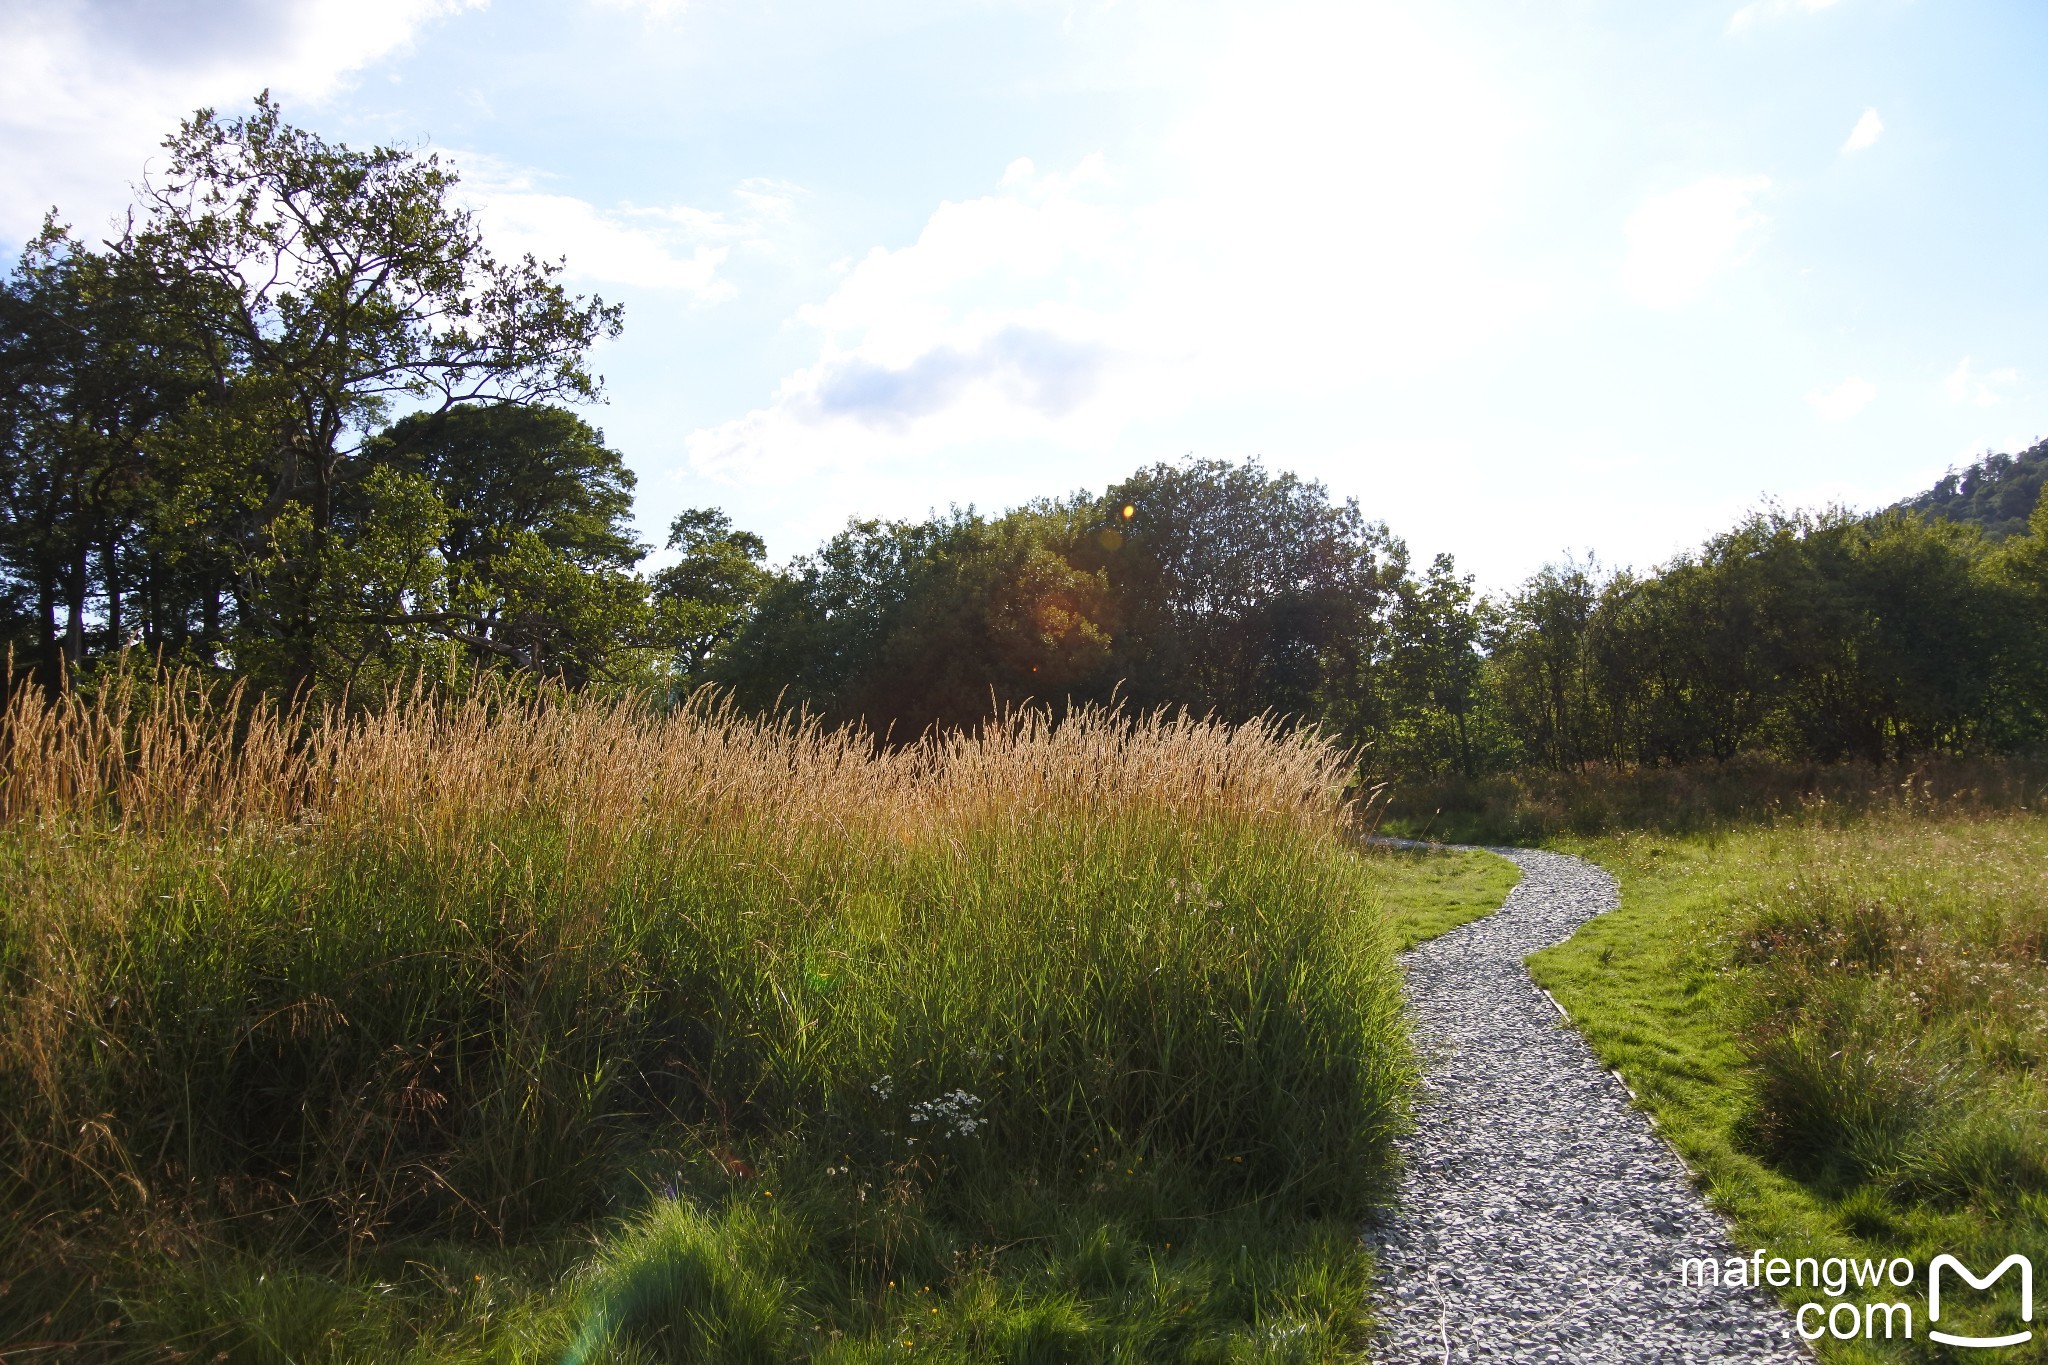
<point>1245,593</point>
<point>183,435</point>
<point>198,456</point>
<point>703,599</point>
<point>1810,637</point>
<point>906,625</point>
<point>1538,649</point>
<point>1212,586</point>
<point>1221,588</point>
<point>1537,805</point>
<point>508,469</point>
<point>94,378</point>
<point>1446,716</point>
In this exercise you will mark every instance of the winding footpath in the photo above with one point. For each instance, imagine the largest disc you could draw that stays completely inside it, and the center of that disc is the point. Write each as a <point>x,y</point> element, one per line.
<point>1540,1218</point>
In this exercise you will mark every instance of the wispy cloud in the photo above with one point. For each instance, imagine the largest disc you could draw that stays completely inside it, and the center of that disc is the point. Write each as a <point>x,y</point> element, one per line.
<point>1678,242</point>
<point>956,335</point>
<point>1324,214</point>
<point>1767,11</point>
<point>1844,400</point>
<point>653,9</point>
<point>674,247</point>
<point>1865,134</point>
<point>1966,385</point>
<point>1039,369</point>
<point>88,89</point>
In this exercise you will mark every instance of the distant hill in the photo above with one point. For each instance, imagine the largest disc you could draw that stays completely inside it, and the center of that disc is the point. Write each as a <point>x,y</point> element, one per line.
<point>1997,493</point>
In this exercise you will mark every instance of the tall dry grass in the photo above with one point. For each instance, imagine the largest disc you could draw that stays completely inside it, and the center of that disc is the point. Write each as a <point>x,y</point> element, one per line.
<point>476,967</point>
<point>175,755</point>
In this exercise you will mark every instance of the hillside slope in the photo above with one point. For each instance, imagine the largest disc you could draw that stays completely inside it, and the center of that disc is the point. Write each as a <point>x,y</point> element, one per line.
<point>1997,493</point>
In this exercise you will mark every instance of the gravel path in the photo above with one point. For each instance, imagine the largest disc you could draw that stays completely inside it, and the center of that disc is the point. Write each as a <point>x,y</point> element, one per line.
<point>1540,1218</point>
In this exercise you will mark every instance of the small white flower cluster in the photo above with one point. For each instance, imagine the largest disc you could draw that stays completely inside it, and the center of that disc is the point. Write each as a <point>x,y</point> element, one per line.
<point>954,1114</point>
<point>1193,893</point>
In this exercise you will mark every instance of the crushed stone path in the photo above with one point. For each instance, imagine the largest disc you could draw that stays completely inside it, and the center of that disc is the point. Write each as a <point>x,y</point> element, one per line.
<point>1540,1218</point>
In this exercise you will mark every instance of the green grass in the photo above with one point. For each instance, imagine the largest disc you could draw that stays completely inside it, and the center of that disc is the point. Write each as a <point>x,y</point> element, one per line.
<point>1431,891</point>
<point>567,1034</point>
<point>1840,1028</point>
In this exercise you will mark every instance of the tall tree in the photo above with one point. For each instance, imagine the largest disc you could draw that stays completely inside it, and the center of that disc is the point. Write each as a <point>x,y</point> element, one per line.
<point>905,625</point>
<point>1246,592</point>
<point>536,542</point>
<point>89,377</point>
<point>504,468</point>
<point>702,601</point>
<point>1538,643</point>
<point>1437,665</point>
<point>343,281</point>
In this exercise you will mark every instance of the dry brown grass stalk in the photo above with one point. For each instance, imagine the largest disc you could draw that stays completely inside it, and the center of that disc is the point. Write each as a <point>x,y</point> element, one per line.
<point>177,755</point>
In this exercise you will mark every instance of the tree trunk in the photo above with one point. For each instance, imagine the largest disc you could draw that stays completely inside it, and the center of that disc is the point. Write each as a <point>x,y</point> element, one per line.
<point>51,661</point>
<point>209,621</point>
<point>110,558</point>
<point>74,619</point>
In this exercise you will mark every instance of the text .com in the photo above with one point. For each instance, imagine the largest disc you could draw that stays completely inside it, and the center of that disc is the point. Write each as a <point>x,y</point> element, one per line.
<point>1871,1281</point>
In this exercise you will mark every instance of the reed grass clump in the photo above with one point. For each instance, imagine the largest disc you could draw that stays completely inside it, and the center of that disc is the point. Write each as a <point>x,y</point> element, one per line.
<point>1894,1002</point>
<point>294,992</point>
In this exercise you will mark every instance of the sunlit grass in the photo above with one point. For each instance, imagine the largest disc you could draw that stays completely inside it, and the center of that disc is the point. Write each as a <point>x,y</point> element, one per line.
<point>552,1028</point>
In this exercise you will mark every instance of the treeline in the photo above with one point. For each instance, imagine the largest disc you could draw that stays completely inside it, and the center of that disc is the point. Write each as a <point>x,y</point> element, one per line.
<point>1814,637</point>
<point>1226,588</point>
<point>298,427</point>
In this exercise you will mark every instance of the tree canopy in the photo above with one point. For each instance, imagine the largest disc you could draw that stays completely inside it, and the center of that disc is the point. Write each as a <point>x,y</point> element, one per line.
<point>190,414</point>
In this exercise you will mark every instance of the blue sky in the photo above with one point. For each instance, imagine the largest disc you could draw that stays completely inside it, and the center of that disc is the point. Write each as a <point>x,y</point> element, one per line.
<point>1523,278</point>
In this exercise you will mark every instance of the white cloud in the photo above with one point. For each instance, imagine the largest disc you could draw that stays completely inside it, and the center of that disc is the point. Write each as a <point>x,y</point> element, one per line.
<point>676,247</point>
<point>89,88</point>
<point>1866,132</point>
<point>1844,400</point>
<point>968,331</point>
<point>1036,368</point>
<point>1678,242</point>
<point>1767,11</point>
<point>1329,206</point>
<point>655,10</point>
<point>1964,385</point>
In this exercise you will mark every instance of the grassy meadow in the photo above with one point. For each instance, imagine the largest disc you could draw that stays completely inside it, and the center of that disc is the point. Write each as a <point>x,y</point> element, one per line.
<point>558,1029</point>
<point>1840,1021</point>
